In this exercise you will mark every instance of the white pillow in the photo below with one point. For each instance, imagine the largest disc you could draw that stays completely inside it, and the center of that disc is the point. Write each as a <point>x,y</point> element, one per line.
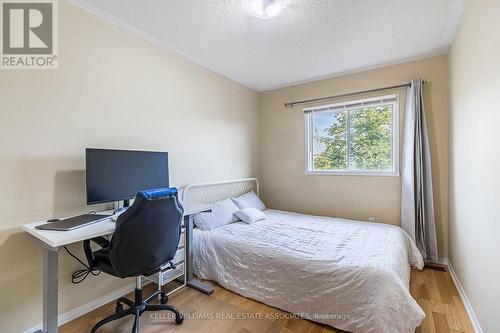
<point>222,213</point>
<point>250,215</point>
<point>249,200</point>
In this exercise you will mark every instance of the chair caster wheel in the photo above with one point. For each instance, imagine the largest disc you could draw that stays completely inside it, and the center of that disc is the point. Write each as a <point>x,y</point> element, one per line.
<point>164,299</point>
<point>118,308</point>
<point>179,319</point>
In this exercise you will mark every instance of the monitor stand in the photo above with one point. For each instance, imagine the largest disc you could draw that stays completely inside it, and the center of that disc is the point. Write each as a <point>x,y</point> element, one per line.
<point>126,204</point>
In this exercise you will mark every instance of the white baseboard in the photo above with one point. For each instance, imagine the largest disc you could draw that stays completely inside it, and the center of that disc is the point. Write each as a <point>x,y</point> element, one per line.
<point>468,307</point>
<point>443,261</point>
<point>63,318</point>
<point>440,261</point>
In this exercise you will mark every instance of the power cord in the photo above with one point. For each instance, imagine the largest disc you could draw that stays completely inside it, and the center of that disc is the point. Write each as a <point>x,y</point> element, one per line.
<point>81,274</point>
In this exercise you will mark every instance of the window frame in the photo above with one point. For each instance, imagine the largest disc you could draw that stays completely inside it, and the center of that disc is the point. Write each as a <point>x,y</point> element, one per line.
<point>351,105</point>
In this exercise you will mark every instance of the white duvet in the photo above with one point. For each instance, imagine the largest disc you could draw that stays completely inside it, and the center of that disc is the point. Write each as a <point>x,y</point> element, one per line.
<point>348,274</point>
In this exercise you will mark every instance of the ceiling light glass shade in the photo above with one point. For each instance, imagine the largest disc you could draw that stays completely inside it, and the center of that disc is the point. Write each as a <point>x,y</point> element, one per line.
<point>266,9</point>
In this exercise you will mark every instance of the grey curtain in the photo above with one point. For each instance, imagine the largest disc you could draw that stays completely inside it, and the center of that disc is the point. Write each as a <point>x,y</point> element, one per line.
<point>417,207</point>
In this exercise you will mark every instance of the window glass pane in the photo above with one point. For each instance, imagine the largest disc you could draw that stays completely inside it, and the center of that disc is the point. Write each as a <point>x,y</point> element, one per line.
<point>370,138</point>
<point>329,142</point>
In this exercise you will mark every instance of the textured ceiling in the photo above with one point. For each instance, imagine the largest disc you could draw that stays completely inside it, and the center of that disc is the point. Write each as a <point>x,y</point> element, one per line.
<point>312,39</point>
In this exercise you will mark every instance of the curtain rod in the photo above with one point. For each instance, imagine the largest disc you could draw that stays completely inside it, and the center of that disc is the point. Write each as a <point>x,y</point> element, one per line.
<point>292,104</point>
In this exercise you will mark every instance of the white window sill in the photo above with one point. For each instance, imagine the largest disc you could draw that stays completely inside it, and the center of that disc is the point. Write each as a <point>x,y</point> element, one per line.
<point>353,173</point>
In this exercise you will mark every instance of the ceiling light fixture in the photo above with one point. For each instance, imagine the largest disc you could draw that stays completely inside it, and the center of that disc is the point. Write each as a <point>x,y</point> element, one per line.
<point>266,9</point>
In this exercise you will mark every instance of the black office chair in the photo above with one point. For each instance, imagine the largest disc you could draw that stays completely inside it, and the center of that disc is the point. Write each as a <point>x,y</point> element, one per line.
<point>146,237</point>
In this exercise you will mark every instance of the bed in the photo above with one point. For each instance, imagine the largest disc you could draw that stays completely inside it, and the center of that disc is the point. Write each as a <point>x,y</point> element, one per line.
<point>348,274</point>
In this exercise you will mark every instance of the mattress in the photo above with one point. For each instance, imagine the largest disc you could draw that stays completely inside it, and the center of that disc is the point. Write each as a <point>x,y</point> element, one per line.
<point>351,275</point>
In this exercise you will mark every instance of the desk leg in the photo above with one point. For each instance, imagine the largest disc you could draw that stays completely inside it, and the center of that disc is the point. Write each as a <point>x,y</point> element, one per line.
<point>50,271</point>
<point>193,283</point>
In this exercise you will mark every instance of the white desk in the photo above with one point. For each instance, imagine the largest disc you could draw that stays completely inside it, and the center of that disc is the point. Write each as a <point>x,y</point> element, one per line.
<point>52,241</point>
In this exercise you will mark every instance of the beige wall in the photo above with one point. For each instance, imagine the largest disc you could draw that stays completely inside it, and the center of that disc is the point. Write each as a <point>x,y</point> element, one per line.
<point>475,158</point>
<point>112,90</point>
<point>116,90</point>
<point>284,185</point>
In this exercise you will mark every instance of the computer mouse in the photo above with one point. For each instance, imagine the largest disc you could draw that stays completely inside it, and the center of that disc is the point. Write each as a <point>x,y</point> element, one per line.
<point>53,220</point>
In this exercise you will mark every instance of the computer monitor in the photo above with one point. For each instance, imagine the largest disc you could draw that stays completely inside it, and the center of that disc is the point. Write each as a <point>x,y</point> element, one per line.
<point>115,175</point>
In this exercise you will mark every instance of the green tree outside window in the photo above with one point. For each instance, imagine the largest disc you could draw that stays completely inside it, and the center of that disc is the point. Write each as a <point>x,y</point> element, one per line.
<point>356,139</point>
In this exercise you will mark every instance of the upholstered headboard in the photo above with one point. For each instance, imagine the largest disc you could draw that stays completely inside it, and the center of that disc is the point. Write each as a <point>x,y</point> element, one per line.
<point>211,192</point>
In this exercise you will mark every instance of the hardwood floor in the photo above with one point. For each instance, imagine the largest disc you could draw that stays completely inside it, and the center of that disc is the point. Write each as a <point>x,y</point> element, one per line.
<point>226,312</point>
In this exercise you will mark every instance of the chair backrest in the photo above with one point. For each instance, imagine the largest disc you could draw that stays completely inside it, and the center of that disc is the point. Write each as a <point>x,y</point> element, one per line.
<point>147,235</point>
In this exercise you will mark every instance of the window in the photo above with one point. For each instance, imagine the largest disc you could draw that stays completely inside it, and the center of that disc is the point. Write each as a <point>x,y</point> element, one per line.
<point>354,138</point>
